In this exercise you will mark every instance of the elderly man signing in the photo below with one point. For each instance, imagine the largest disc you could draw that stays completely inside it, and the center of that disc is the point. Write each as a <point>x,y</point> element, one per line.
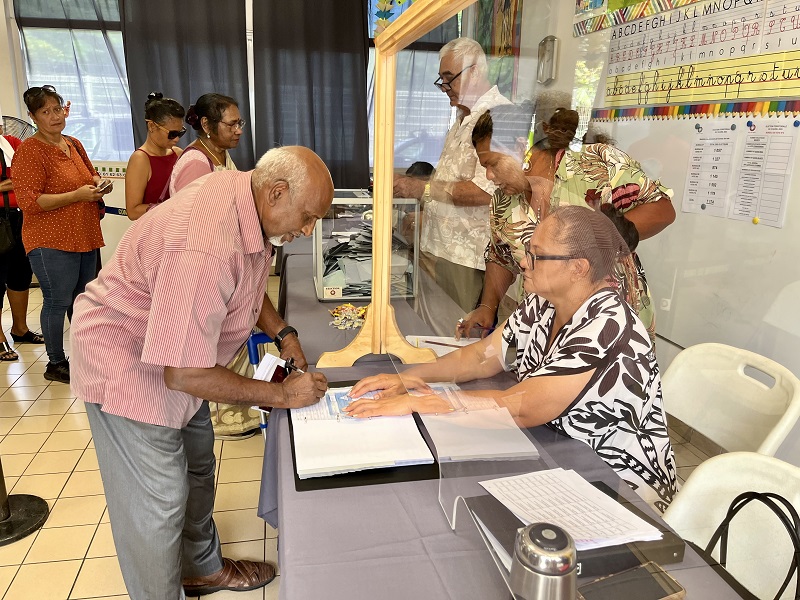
<point>149,335</point>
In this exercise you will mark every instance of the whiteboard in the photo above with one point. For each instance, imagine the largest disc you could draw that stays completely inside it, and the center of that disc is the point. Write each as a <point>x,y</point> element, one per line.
<point>717,279</point>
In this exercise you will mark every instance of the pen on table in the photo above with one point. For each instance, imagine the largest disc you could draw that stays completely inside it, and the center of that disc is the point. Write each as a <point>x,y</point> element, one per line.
<point>441,344</point>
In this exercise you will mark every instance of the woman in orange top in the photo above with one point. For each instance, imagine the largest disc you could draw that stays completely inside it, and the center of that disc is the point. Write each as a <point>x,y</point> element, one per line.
<point>58,191</point>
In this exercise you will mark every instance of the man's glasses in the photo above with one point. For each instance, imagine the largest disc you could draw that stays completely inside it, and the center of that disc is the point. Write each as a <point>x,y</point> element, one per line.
<point>235,124</point>
<point>532,257</point>
<point>171,133</point>
<point>446,86</point>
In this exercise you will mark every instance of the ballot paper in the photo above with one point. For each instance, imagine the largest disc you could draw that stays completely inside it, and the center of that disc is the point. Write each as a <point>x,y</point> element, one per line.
<point>566,499</point>
<point>327,442</point>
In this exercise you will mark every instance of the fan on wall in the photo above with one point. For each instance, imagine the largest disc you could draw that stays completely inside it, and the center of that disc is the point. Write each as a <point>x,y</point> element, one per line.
<point>17,127</point>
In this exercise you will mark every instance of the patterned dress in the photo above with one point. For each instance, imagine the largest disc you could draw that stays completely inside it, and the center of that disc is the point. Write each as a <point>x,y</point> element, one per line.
<point>619,413</point>
<point>595,175</point>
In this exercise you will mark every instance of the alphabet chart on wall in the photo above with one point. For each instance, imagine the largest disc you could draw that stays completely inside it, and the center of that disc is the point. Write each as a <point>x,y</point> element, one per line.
<point>711,50</point>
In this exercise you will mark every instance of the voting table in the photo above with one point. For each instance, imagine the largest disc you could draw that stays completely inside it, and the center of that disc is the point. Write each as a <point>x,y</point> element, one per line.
<point>392,540</point>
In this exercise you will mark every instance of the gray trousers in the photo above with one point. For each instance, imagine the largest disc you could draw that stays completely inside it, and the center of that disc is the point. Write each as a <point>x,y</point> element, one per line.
<point>159,486</point>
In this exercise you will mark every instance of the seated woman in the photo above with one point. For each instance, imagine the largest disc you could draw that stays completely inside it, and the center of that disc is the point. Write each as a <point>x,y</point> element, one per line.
<point>584,361</point>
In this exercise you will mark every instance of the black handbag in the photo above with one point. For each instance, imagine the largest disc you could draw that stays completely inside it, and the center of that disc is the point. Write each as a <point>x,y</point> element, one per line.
<point>787,515</point>
<point>7,240</point>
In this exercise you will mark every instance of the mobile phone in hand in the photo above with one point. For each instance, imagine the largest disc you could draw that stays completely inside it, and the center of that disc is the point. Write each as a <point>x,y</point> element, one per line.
<point>103,184</point>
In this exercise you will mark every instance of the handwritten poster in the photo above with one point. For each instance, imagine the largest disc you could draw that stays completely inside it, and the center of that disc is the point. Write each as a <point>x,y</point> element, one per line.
<point>709,173</point>
<point>764,173</point>
<point>707,51</point>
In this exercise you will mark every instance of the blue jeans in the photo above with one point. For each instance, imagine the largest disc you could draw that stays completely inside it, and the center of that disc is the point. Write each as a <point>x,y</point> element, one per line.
<point>62,276</point>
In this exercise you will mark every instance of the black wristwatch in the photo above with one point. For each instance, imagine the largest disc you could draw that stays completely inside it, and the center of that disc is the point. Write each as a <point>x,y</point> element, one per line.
<point>281,335</point>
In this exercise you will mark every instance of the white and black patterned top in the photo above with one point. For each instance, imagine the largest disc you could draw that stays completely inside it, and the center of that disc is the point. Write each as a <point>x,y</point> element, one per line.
<point>619,413</point>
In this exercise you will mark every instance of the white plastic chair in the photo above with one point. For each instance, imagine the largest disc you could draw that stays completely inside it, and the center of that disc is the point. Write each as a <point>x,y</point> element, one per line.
<point>759,548</point>
<point>707,388</point>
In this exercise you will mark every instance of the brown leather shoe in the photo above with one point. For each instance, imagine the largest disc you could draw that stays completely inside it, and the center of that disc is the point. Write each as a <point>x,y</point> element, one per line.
<point>236,576</point>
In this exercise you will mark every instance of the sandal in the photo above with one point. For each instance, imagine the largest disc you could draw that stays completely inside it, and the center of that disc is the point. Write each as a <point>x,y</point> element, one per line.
<point>7,353</point>
<point>29,337</point>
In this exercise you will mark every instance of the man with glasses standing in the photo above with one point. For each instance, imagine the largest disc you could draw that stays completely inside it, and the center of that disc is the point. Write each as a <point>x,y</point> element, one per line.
<point>455,228</point>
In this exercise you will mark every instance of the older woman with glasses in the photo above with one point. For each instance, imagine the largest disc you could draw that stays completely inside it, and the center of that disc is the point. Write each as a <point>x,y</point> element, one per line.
<point>60,194</point>
<point>219,125</point>
<point>150,166</point>
<point>582,358</point>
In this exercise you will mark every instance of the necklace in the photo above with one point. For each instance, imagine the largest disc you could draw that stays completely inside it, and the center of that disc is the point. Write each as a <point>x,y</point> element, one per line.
<point>214,156</point>
<point>540,171</point>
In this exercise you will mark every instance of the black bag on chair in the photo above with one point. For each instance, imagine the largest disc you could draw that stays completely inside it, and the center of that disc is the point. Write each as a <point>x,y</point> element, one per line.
<point>778,505</point>
<point>7,240</point>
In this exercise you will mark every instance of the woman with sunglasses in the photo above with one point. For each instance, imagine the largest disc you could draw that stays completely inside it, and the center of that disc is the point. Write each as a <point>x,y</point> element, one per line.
<point>582,359</point>
<point>219,125</point>
<point>60,194</point>
<point>150,166</point>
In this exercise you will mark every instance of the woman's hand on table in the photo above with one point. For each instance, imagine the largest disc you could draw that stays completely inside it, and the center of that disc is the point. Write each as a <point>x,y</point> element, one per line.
<point>404,404</point>
<point>304,389</point>
<point>389,385</point>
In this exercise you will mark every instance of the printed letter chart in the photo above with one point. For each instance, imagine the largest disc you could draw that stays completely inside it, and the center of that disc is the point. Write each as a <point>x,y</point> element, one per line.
<point>765,172</point>
<point>708,174</point>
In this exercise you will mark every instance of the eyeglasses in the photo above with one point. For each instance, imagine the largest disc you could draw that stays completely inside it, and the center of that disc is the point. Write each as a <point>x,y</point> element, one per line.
<point>532,257</point>
<point>235,124</point>
<point>171,133</point>
<point>446,86</point>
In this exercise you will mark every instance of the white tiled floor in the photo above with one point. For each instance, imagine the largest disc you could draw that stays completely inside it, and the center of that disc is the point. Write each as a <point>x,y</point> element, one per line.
<point>46,450</point>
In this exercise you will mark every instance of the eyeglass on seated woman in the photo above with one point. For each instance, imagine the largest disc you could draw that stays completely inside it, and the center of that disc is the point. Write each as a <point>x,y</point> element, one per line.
<point>583,359</point>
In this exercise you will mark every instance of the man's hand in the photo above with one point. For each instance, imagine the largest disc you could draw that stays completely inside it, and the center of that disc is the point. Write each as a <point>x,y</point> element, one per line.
<point>290,348</point>
<point>408,187</point>
<point>303,390</point>
<point>480,320</point>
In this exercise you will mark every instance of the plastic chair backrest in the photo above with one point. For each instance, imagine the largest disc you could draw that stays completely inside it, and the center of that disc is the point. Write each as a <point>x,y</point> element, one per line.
<point>709,387</point>
<point>759,548</point>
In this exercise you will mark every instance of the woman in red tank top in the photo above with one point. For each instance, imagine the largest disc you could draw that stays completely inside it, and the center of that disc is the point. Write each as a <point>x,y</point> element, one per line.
<point>150,166</point>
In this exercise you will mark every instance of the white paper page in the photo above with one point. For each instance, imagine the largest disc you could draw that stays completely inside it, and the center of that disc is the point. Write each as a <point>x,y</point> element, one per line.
<point>566,499</point>
<point>266,368</point>
<point>478,434</point>
<point>440,345</point>
<point>709,171</point>
<point>324,447</point>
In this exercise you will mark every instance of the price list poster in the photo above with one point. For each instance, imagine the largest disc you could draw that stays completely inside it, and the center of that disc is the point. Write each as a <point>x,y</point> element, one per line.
<point>708,175</point>
<point>764,173</point>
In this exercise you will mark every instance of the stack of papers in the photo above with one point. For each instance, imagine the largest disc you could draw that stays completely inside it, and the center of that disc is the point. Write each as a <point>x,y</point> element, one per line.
<point>566,499</point>
<point>348,262</point>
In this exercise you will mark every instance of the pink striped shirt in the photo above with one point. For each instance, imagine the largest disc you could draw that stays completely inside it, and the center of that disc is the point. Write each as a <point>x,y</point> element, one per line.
<point>184,289</point>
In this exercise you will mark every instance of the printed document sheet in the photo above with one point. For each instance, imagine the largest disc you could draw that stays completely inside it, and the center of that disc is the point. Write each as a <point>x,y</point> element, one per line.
<point>566,499</point>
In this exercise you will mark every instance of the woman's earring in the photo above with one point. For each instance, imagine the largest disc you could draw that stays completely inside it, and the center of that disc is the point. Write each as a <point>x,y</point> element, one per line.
<point>208,135</point>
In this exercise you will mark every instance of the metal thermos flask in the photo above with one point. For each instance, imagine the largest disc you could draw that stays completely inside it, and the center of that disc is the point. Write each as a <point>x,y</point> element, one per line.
<point>544,564</point>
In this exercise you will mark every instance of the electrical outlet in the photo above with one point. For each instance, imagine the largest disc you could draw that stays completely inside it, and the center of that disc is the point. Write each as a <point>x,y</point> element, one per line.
<point>666,303</point>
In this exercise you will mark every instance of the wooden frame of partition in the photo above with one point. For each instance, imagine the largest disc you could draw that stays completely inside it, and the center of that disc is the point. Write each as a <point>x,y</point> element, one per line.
<point>380,333</point>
